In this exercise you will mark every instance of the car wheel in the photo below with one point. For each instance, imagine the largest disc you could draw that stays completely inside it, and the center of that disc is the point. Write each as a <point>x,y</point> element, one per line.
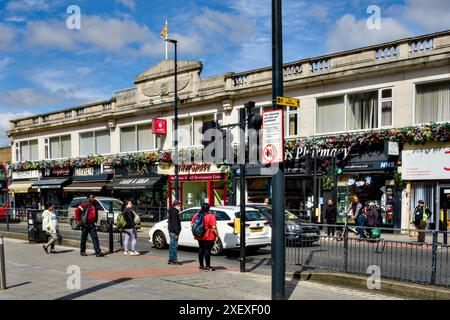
<point>217,249</point>
<point>74,224</point>
<point>159,240</point>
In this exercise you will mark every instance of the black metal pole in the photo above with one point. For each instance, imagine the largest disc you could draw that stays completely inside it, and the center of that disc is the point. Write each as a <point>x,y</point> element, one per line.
<point>315,186</point>
<point>278,235</point>
<point>2,265</point>
<point>242,121</point>
<point>111,227</point>
<point>177,185</point>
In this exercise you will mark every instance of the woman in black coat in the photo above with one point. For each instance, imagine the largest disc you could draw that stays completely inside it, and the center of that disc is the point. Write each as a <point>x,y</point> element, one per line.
<point>330,217</point>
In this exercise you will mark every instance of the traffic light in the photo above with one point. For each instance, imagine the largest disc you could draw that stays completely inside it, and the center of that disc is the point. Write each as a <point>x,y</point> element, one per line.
<point>254,121</point>
<point>340,162</point>
<point>254,124</point>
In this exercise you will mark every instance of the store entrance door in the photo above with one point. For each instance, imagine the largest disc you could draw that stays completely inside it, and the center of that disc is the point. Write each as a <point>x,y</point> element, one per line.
<point>444,208</point>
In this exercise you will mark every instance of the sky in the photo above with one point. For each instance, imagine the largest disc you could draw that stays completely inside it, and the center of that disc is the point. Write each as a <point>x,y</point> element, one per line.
<point>45,66</point>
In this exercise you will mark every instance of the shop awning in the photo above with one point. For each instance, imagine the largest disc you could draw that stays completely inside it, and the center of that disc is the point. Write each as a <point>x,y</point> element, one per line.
<point>137,183</point>
<point>85,186</point>
<point>20,187</point>
<point>51,183</point>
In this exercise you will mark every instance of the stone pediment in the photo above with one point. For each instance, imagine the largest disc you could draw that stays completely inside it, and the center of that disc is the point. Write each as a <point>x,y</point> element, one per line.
<point>166,68</point>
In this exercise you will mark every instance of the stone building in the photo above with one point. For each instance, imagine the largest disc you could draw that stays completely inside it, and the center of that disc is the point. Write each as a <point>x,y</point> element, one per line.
<point>351,102</point>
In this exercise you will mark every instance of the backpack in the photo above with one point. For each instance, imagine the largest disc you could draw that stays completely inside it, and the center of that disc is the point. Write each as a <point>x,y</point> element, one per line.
<point>121,223</point>
<point>198,227</point>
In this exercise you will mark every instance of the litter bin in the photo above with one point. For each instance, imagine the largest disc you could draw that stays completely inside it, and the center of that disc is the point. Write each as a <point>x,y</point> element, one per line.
<point>35,233</point>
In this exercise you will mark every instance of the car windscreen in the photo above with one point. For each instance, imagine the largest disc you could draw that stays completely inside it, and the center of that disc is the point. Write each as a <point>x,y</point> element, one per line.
<point>117,204</point>
<point>290,216</point>
<point>251,215</point>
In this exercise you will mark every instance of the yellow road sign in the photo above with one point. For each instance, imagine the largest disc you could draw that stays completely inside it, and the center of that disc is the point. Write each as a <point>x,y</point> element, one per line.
<point>289,102</point>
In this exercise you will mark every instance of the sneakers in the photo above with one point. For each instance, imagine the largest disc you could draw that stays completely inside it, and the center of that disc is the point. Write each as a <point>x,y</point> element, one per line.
<point>176,262</point>
<point>45,249</point>
<point>210,269</point>
<point>134,253</point>
<point>127,253</point>
<point>202,268</point>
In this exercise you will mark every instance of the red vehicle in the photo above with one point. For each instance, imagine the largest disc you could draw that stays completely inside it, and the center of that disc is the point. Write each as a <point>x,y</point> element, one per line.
<point>4,201</point>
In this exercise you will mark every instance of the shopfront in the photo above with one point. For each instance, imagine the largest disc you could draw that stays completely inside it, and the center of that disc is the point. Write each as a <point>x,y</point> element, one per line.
<point>51,186</point>
<point>141,184</point>
<point>86,181</point>
<point>199,183</point>
<point>427,170</point>
<point>23,195</point>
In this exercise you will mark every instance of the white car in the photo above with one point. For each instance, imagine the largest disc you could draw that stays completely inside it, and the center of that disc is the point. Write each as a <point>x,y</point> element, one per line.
<point>258,231</point>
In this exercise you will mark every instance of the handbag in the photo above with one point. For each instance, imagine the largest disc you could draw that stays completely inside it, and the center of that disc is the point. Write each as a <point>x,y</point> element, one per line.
<point>137,219</point>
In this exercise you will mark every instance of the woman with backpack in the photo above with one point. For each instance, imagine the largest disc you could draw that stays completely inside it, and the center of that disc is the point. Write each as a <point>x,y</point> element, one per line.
<point>204,228</point>
<point>129,229</point>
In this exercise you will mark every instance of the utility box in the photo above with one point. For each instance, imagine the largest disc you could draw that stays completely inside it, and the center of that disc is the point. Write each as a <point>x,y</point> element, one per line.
<point>35,232</point>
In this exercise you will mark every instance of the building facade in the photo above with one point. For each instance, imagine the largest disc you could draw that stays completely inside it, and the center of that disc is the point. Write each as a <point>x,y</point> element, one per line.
<point>351,102</point>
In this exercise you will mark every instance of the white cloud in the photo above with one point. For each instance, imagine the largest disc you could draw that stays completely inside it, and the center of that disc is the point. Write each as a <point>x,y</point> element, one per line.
<point>432,15</point>
<point>7,36</point>
<point>29,5</point>
<point>130,4</point>
<point>350,33</point>
<point>5,125</point>
<point>26,97</point>
<point>5,62</point>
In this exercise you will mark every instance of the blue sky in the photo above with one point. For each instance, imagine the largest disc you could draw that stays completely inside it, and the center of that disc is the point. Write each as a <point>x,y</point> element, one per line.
<point>44,66</point>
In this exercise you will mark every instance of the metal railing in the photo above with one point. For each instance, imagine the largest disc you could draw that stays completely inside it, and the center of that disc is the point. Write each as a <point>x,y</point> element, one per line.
<point>397,255</point>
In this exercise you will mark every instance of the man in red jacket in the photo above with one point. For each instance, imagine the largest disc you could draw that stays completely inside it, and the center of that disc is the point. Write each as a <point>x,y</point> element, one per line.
<point>86,214</point>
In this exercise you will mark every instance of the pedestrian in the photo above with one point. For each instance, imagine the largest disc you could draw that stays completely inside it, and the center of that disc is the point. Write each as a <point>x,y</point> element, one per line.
<point>358,215</point>
<point>330,218</point>
<point>50,227</point>
<point>421,216</point>
<point>373,217</point>
<point>86,214</point>
<point>129,229</point>
<point>174,226</point>
<point>207,240</point>
<point>267,201</point>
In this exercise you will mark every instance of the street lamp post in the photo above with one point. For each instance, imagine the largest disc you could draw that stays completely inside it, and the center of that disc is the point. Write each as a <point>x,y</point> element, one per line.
<point>175,122</point>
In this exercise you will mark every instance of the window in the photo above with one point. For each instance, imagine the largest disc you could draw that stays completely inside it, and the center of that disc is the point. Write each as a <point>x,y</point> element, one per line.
<point>433,102</point>
<point>221,216</point>
<point>292,122</point>
<point>188,214</point>
<point>197,132</point>
<point>80,111</point>
<point>95,143</point>
<point>106,106</point>
<point>184,132</point>
<point>355,111</point>
<point>59,147</point>
<point>27,150</point>
<point>362,110</point>
<point>68,114</point>
<point>138,138</point>
<point>330,115</point>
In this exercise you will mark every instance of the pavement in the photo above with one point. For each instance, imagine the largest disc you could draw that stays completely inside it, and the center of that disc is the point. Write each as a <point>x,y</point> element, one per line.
<point>32,274</point>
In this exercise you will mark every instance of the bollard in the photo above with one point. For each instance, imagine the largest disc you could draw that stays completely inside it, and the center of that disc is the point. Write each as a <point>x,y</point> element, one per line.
<point>2,265</point>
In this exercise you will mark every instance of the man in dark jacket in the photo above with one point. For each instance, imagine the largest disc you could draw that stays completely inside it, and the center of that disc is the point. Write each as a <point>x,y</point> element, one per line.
<point>174,226</point>
<point>330,218</point>
<point>86,214</point>
<point>421,216</point>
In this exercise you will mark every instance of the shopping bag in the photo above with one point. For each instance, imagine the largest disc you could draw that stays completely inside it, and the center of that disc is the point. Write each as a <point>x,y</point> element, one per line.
<point>375,233</point>
<point>413,230</point>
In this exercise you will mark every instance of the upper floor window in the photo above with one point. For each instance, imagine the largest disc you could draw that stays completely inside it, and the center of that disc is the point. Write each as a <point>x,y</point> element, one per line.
<point>68,114</point>
<point>58,147</point>
<point>190,129</point>
<point>80,112</point>
<point>97,142</point>
<point>356,111</point>
<point>433,102</point>
<point>27,150</point>
<point>106,106</point>
<point>139,138</point>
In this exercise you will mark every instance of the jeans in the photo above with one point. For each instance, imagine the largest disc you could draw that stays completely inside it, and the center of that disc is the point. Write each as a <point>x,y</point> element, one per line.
<point>92,230</point>
<point>360,224</point>
<point>173,246</point>
<point>130,233</point>
<point>330,231</point>
<point>205,252</point>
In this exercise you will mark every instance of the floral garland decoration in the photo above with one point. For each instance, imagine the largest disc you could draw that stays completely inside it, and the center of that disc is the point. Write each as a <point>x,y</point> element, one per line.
<point>433,132</point>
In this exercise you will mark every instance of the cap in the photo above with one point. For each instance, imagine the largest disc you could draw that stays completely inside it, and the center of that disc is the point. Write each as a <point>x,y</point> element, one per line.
<point>175,203</point>
<point>371,203</point>
<point>421,202</point>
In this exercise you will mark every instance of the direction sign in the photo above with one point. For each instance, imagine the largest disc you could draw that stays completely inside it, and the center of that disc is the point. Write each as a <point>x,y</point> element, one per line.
<point>289,102</point>
<point>272,137</point>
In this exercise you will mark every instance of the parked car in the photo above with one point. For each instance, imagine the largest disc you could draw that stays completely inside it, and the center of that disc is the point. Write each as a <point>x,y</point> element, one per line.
<point>102,204</point>
<point>258,230</point>
<point>297,230</point>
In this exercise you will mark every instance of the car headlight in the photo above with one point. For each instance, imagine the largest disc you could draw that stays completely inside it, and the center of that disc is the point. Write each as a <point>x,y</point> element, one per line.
<point>293,227</point>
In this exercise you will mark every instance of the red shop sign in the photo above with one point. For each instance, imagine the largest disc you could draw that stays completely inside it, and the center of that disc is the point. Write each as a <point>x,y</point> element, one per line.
<point>199,177</point>
<point>159,126</point>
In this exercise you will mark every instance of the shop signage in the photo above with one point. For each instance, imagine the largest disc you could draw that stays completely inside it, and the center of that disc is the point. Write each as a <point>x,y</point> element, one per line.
<point>136,170</point>
<point>392,148</point>
<point>195,168</point>
<point>106,168</point>
<point>373,166</point>
<point>272,137</point>
<point>134,181</point>
<point>426,164</point>
<point>84,172</point>
<point>26,175</point>
<point>300,152</point>
<point>159,126</point>
<point>56,172</point>
<point>199,177</point>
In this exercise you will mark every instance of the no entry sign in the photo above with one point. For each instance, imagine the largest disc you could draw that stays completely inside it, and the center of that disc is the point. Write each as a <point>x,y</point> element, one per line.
<point>273,137</point>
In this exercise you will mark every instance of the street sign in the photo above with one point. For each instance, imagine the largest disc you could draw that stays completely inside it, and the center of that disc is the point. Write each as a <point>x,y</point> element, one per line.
<point>272,137</point>
<point>288,102</point>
